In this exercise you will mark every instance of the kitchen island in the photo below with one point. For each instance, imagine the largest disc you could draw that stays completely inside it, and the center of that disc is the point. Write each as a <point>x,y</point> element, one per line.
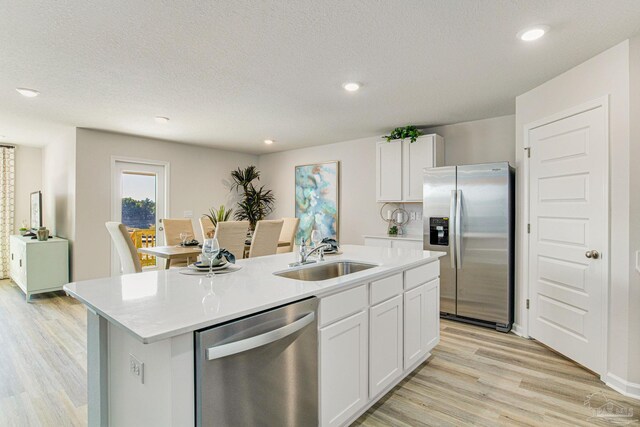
<point>142,329</point>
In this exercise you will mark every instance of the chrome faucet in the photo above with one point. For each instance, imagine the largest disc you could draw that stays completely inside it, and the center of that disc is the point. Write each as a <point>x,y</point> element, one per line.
<point>303,259</point>
<point>304,255</point>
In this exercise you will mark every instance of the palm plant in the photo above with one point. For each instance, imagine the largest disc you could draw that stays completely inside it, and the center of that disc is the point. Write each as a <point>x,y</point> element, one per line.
<point>256,203</point>
<point>243,178</point>
<point>219,215</point>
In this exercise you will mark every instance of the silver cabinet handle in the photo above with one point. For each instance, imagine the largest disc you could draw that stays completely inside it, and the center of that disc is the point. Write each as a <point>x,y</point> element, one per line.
<point>224,350</point>
<point>459,228</point>
<point>452,231</point>
<point>592,254</point>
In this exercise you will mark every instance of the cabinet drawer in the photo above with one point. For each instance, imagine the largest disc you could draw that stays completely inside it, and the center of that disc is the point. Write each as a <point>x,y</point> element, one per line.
<point>406,244</point>
<point>419,275</point>
<point>339,306</point>
<point>386,288</point>
<point>383,243</point>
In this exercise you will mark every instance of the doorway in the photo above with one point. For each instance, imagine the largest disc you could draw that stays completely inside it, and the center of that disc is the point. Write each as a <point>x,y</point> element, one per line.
<point>139,201</point>
<point>568,234</point>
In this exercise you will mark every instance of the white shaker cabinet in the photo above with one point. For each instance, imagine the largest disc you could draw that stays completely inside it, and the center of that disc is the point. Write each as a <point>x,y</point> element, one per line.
<point>389,171</point>
<point>373,335</point>
<point>400,165</point>
<point>343,369</point>
<point>38,267</point>
<point>420,324</point>
<point>385,344</point>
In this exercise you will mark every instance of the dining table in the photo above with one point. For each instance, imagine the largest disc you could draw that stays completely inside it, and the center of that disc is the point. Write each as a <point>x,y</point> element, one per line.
<point>173,252</point>
<point>190,253</point>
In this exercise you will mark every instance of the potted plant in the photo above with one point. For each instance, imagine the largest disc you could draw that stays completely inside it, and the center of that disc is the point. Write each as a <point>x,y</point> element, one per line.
<point>219,215</point>
<point>23,228</point>
<point>256,202</point>
<point>410,132</point>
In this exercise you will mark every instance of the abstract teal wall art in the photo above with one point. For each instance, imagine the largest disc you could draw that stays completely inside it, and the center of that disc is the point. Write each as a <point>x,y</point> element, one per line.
<point>317,196</point>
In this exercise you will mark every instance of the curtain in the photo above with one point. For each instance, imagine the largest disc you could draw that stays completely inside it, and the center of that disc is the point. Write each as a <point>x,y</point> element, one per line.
<point>7,190</point>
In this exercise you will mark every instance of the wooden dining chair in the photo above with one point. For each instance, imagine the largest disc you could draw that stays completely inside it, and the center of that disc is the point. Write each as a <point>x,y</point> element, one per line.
<point>172,229</point>
<point>127,252</point>
<point>207,227</point>
<point>265,238</point>
<point>288,234</point>
<point>232,235</point>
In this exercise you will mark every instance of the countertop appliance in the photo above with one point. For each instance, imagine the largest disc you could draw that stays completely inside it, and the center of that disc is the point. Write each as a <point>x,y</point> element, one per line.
<point>468,212</point>
<point>260,370</point>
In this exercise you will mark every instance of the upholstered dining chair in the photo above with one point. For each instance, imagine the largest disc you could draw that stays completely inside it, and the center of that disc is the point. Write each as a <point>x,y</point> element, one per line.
<point>265,238</point>
<point>231,236</point>
<point>207,227</point>
<point>172,229</point>
<point>288,234</point>
<point>127,252</point>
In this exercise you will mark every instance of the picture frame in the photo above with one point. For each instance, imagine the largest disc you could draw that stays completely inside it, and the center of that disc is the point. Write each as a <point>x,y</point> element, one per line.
<point>317,199</point>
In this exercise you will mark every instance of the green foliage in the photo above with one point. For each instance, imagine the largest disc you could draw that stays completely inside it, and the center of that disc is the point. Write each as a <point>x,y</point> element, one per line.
<point>138,213</point>
<point>393,230</point>
<point>256,203</point>
<point>243,178</point>
<point>219,215</point>
<point>410,132</point>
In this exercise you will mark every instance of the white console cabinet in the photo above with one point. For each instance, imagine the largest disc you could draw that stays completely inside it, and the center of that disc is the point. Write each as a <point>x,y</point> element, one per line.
<point>38,267</point>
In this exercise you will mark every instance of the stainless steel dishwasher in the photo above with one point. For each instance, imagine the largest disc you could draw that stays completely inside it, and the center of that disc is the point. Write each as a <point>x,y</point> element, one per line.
<point>260,370</point>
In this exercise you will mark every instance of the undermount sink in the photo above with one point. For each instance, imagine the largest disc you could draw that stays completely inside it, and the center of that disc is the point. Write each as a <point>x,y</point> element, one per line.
<point>324,270</point>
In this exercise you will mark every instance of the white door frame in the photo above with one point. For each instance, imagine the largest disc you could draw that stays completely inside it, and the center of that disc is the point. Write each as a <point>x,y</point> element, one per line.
<point>114,213</point>
<point>524,258</point>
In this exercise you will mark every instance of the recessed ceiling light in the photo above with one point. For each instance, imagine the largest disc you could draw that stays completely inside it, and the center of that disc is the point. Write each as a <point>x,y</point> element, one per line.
<point>534,33</point>
<point>351,86</point>
<point>162,119</point>
<point>268,141</point>
<point>29,93</point>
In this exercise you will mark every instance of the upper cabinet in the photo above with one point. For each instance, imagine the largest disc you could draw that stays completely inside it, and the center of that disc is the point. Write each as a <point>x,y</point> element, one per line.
<point>400,165</point>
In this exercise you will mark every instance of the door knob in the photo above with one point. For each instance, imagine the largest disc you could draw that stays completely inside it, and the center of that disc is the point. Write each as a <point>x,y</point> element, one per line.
<point>592,254</point>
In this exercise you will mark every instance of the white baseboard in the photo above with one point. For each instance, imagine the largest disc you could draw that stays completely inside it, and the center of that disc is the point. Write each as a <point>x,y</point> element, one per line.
<point>518,330</point>
<point>622,386</point>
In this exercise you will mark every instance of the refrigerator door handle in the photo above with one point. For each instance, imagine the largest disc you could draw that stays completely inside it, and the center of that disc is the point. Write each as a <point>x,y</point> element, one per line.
<point>458,227</point>
<point>452,219</point>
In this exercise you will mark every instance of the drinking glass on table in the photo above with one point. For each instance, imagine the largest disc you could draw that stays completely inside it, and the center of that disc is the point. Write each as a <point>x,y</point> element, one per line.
<point>316,238</point>
<point>210,250</point>
<point>183,237</point>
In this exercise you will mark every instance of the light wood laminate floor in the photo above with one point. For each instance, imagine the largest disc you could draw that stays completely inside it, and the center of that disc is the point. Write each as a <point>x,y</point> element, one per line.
<point>475,377</point>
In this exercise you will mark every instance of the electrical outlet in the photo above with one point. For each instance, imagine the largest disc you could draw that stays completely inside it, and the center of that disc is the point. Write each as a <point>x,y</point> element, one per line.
<point>136,368</point>
<point>188,214</point>
<point>413,216</point>
<point>419,215</point>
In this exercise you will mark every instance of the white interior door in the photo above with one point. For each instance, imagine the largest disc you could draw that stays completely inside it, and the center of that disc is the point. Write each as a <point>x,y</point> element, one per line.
<point>139,202</point>
<point>569,238</point>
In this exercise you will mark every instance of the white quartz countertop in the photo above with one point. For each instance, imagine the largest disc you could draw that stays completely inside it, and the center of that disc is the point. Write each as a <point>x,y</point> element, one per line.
<point>416,237</point>
<point>157,305</point>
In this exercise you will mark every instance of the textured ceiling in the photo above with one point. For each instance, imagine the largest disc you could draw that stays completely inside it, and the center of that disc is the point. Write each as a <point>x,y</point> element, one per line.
<point>232,73</point>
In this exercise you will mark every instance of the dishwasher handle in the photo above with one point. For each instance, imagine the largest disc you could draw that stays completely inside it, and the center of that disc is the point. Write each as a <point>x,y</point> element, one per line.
<point>224,350</point>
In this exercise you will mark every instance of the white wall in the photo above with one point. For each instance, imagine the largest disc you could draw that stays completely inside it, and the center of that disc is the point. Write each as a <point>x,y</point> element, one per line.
<point>59,185</point>
<point>359,212</point>
<point>198,176</point>
<point>634,213</point>
<point>28,179</point>
<point>605,74</point>
<point>479,141</point>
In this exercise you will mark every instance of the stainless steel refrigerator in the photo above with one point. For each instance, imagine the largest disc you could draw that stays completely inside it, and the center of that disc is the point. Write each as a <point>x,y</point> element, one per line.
<point>469,213</point>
